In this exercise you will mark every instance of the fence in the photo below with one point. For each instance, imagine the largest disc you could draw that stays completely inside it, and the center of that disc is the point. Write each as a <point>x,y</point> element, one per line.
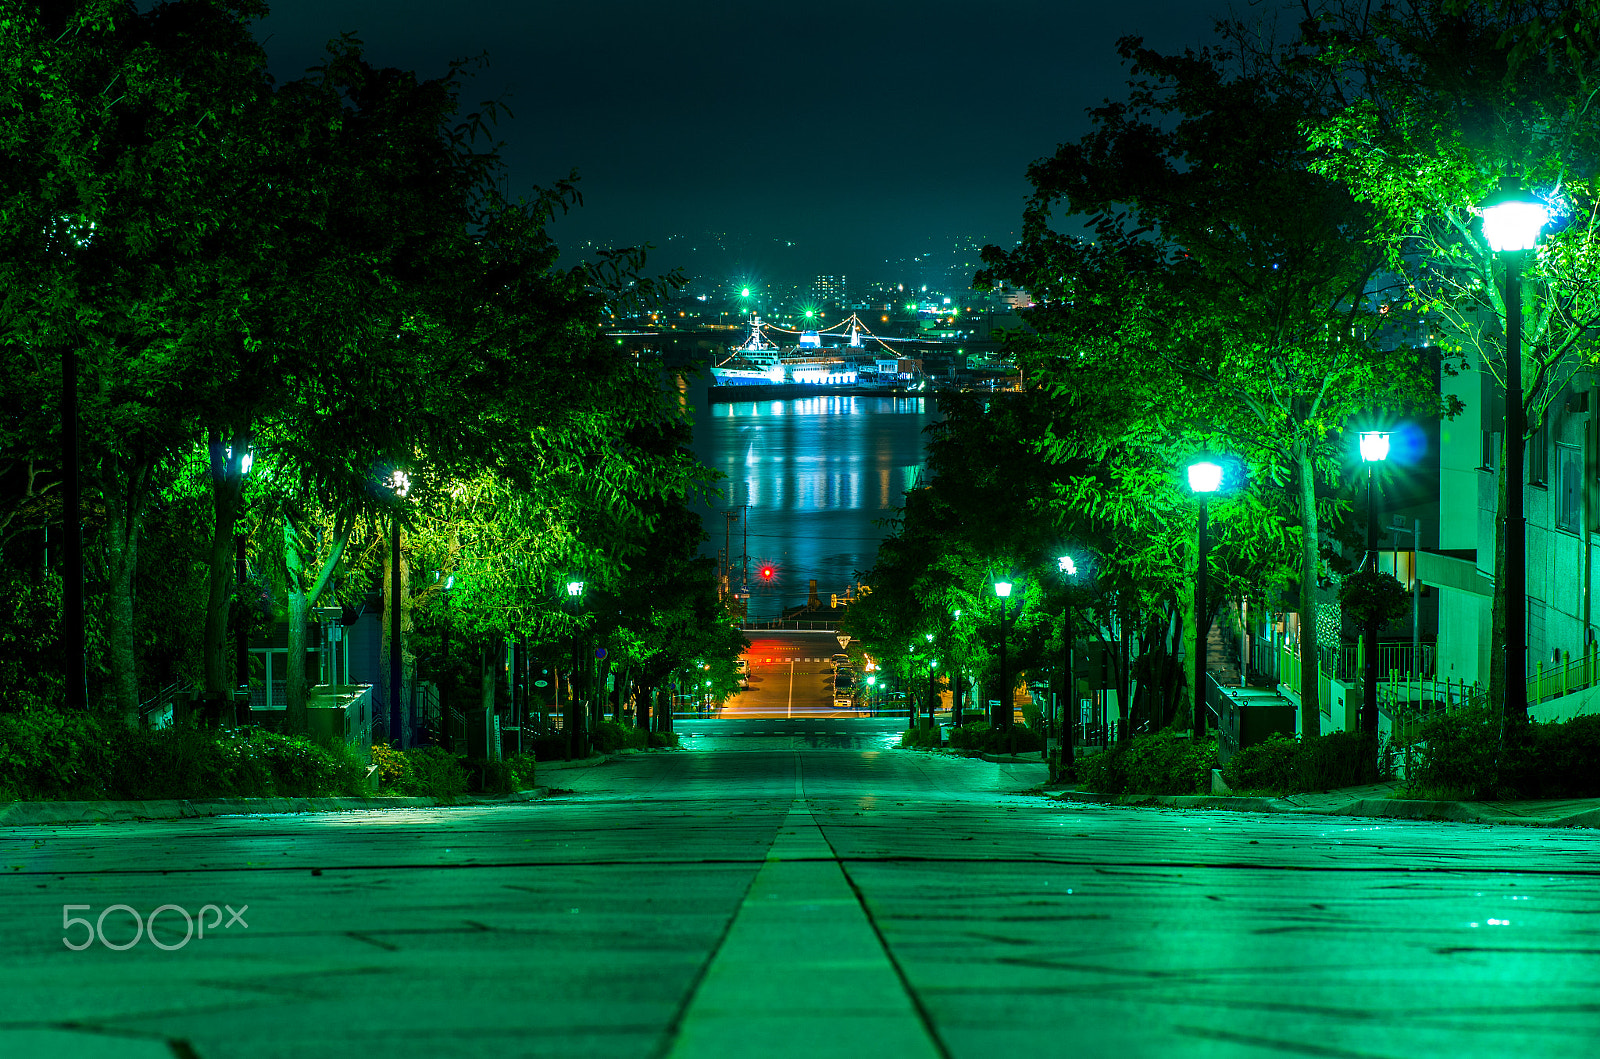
<point>790,625</point>
<point>1565,677</point>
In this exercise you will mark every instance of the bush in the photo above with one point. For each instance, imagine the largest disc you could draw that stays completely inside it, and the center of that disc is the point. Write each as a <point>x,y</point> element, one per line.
<point>551,746</point>
<point>611,737</point>
<point>663,740</point>
<point>394,768</point>
<point>1457,756</point>
<point>919,738</point>
<point>1283,765</point>
<point>45,755</point>
<point>981,737</point>
<point>1460,757</point>
<point>1162,763</point>
<point>434,773</point>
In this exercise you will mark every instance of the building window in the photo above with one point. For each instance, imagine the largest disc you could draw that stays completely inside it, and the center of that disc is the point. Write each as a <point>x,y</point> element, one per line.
<point>1491,451</point>
<point>1539,457</point>
<point>1569,486</point>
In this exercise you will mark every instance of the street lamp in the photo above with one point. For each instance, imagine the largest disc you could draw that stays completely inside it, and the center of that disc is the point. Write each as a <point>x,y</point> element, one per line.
<point>1374,450</point>
<point>1001,718</point>
<point>955,680</point>
<point>400,484</point>
<point>444,676</point>
<point>576,744</point>
<point>1512,220</point>
<point>1205,478</point>
<point>1067,568</point>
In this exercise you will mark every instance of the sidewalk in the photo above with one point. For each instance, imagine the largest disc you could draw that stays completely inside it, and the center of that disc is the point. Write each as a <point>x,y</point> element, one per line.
<point>1373,800</point>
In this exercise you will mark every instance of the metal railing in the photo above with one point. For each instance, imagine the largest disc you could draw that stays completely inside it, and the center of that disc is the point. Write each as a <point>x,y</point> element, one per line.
<point>1565,677</point>
<point>790,625</point>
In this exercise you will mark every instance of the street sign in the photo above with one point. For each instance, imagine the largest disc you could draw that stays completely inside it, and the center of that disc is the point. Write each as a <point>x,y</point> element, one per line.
<point>599,652</point>
<point>844,641</point>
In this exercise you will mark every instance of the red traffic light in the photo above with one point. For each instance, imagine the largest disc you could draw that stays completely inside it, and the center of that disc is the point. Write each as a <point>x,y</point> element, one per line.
<point>766,573</point>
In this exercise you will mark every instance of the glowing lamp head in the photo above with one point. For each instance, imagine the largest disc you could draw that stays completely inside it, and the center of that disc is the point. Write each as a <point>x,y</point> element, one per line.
<point>574,588</point>
<point>400,482</point>
<point>1205,477</point>
<point>744,292</point>
<point>1374,446</point>
<point>1065,565</point>
<point>1512,219</point>
<point>1002,589</point>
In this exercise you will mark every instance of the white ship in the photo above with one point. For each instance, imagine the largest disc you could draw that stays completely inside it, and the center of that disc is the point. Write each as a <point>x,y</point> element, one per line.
<point>759,361</point>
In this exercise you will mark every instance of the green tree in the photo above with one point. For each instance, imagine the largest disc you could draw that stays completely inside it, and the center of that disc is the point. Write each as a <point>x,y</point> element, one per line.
<point>1438,102</point>
<point>1226,276</point>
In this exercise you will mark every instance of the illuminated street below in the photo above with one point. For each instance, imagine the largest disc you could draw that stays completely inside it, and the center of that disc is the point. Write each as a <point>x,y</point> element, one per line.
<point>791,900</point>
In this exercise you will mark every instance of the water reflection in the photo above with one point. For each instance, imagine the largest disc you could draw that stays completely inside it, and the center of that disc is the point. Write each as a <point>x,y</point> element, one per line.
<point>820,473</point>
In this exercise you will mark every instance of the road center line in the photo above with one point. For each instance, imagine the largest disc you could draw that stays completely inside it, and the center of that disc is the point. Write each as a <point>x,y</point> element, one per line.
<point>801,922</point>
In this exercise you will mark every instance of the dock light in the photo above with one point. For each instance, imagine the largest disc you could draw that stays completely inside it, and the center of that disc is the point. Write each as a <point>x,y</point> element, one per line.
<point>1374,445</point>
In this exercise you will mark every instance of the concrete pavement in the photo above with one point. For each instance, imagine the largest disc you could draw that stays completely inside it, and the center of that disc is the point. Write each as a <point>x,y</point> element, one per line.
<point>801,902</point>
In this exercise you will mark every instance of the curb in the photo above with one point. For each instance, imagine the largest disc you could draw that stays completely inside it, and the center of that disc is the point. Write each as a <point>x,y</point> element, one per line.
<point>584,763</point>
<point>25,814</point>
<point>1378,808</point>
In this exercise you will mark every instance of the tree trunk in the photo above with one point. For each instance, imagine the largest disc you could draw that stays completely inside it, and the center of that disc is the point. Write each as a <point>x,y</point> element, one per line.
<point>407,661</point>
<point>1310,561</point>
<point>227,492</point>
<point>123,494</point>
<point>641,704</point>
<point>301,600</point>
<point>489,679</point>
<point>1498,671</point>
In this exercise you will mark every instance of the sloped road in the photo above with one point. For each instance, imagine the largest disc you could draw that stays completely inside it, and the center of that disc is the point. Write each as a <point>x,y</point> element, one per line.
<point>809,902</point>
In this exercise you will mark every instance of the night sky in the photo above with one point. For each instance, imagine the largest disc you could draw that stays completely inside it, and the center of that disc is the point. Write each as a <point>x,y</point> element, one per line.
<point>780,140</point>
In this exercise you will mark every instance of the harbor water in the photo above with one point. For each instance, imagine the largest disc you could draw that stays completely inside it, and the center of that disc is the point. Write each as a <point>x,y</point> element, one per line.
<point>821,475</point>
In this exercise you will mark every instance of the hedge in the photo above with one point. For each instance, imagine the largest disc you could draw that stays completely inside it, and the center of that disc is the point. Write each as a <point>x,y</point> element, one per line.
<point>47,755</point>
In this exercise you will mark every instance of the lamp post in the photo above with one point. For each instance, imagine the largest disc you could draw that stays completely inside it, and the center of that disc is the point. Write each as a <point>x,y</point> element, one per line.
<point>1374,450</point>
<point>1064,770</point>
<point>400,483</point>
<point>1205,478</point>
<point>955,681</point>
<point>241,629</point>
<point>1001,717</point>
<point>444,681</point>
<point>1512,220</point>
<point>576,742</point>
<point>932,702</point>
